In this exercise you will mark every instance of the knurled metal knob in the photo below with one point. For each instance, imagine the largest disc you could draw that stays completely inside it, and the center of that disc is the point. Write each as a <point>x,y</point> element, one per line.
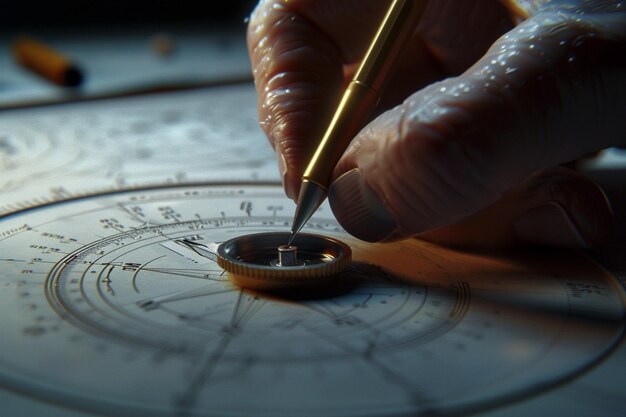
<point>263,262</point>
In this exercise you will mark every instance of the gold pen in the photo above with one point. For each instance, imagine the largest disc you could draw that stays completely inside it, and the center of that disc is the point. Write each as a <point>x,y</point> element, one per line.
<point>356,105</point>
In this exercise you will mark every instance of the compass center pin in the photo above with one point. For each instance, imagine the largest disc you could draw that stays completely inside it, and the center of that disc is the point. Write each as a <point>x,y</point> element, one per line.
<point>287,255</point>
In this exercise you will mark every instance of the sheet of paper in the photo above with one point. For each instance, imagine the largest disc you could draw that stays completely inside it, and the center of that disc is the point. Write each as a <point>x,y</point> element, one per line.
<point>105,312</point>
<point>60,151</point>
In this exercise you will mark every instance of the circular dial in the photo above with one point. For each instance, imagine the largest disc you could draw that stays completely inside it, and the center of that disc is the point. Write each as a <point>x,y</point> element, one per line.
<point>262,261</point>
<point>115,304</point>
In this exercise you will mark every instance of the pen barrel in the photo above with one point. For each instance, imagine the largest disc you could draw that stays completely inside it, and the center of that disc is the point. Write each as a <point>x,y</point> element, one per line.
<point>397,26</point>
<point>357,102</point>
<point>363,93</point>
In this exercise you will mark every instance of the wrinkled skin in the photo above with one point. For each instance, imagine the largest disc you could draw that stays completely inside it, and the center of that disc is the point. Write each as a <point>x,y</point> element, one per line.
<point>475,120</point>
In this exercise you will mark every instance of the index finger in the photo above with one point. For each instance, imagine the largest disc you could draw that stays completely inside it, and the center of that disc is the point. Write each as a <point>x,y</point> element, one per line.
<point>299,52</point>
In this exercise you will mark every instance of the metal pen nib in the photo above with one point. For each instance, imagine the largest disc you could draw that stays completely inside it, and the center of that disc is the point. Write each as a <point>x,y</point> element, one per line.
<point>311,196</point>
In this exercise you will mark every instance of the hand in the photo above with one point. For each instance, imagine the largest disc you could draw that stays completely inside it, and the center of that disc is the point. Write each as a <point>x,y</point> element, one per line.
<point>476,119</point>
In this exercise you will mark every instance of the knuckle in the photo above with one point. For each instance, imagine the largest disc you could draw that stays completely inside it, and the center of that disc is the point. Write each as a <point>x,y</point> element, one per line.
<point>430,174</point>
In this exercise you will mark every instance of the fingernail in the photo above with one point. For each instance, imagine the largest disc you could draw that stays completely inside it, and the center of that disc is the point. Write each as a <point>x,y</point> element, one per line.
<point>359,209</point>
<point>549,225</point>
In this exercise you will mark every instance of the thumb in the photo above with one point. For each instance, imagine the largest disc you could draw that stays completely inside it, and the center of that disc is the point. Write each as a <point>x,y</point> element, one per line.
<point>549,91</point>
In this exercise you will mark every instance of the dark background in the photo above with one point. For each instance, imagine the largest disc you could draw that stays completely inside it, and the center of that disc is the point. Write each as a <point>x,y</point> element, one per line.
<point>18,14</point>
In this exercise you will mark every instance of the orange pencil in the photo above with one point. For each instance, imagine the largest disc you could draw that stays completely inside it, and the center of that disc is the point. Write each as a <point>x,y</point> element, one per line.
<point>46,62</point>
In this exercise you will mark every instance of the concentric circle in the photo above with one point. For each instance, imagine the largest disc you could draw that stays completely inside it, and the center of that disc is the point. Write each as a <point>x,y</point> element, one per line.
<point>115,304</point>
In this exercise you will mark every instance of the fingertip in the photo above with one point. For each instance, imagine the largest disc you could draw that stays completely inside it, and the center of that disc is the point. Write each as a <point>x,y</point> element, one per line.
<point>359,209</point>
<point>283,173</point>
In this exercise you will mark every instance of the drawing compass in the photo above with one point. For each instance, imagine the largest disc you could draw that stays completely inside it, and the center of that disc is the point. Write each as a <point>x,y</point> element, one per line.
<point>262,261</point>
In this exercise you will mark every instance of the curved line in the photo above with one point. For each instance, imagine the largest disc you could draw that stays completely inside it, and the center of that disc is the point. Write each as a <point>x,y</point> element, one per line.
<point>125,190</point>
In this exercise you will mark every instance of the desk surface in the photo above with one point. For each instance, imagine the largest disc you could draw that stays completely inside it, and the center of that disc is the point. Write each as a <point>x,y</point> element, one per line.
<point>124,61</point>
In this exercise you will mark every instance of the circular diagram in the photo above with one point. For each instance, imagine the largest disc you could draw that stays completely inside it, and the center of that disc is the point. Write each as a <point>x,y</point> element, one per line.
<point>115,304</point>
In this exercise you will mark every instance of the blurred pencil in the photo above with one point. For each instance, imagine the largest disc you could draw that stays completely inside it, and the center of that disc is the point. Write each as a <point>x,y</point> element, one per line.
<point>46,62</point>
